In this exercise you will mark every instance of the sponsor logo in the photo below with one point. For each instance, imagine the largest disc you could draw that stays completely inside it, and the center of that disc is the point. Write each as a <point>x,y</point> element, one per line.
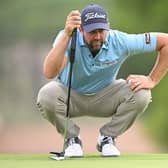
<point>147,38</point>
<point>93,15</point>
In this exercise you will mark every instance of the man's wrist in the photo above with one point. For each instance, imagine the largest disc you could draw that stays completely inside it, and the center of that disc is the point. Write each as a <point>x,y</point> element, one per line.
<point>67,33</point>
<point>153,80</point>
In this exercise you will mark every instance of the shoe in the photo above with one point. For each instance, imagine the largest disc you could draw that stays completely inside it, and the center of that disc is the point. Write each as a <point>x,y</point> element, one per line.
<point>106,145</point>
<point>73,147</point>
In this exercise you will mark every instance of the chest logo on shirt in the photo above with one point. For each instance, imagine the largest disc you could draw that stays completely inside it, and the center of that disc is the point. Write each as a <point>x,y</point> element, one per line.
<point>147,38</point>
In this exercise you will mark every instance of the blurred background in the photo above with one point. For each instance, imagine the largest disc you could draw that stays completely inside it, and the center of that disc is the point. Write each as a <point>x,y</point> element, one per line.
<point>27,31</point>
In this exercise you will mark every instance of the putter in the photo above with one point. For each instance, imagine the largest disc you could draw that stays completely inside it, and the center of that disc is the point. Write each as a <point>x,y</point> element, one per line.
<point>60,155</point>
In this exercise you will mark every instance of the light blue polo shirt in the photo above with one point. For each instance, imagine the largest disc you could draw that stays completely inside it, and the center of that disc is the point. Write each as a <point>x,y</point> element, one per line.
<point>91,74</point>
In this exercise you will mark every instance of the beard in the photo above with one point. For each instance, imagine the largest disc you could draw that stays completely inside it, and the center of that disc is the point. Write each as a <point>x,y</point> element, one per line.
<point>95,46</point>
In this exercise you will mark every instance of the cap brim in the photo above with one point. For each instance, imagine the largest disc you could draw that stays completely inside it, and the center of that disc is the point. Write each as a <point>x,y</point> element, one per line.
<point>94,26</point>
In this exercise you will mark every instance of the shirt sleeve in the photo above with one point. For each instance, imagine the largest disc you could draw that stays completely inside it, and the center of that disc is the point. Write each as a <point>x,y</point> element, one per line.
<point>138,43</point>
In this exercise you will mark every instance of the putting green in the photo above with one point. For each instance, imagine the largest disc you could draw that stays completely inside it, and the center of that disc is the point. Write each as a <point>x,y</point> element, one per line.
<point>89,161</point>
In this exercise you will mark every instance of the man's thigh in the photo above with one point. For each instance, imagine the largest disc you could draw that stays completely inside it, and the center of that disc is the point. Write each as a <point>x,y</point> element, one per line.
<point>105,102</point>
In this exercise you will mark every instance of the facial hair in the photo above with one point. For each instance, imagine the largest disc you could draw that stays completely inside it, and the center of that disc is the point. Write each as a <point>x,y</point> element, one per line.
<point>95,46</point>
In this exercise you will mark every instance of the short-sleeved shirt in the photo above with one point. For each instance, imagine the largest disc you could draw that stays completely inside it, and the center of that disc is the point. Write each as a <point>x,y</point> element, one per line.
<point>91,74</point>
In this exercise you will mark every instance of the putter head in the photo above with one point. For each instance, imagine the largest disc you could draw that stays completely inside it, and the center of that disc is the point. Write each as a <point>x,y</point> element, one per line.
<point>57,155</point>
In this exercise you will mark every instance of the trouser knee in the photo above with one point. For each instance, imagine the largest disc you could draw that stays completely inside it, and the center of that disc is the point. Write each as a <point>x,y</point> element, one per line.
<point>142,99</point>
<point>44,97</point>
<point>51,98</point>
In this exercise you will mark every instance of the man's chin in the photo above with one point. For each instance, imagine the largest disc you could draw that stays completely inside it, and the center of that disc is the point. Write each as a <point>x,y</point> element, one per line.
<point>96,49</point>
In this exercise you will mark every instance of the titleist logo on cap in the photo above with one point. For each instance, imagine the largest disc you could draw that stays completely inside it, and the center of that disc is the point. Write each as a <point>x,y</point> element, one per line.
<point>93,15</point>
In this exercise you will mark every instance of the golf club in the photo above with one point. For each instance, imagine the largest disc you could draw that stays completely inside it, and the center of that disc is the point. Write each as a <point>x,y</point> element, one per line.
<point>60,155</point>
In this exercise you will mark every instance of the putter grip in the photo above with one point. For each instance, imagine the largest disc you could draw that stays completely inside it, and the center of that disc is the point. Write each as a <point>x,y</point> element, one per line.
<point>73,45</point>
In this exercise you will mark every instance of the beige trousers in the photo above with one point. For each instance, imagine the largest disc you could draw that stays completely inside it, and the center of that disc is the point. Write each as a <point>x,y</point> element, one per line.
<point>117,101</point>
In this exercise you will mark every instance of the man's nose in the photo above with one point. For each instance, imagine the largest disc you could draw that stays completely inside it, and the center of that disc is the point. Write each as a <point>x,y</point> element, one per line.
<point>97,35</point>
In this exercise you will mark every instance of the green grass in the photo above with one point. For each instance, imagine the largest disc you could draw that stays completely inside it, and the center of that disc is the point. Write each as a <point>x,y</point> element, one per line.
<point>89,161</point>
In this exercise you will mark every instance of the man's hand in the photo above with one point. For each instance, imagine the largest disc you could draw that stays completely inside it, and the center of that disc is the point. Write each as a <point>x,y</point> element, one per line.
<point>73,21</point>
<point>137,82</point>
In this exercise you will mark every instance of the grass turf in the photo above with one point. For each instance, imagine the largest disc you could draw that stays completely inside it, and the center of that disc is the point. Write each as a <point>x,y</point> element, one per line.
<point>89,161</point>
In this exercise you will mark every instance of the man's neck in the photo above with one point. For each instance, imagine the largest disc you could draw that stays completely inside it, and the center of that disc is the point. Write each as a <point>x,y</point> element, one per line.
<point>94,53</point>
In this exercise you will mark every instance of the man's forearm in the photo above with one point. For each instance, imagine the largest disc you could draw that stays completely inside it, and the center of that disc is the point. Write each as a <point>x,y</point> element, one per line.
<point>161,66</point>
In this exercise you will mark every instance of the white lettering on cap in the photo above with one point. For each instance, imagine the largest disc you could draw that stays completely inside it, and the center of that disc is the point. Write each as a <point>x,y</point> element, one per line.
<point>93,15</point>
